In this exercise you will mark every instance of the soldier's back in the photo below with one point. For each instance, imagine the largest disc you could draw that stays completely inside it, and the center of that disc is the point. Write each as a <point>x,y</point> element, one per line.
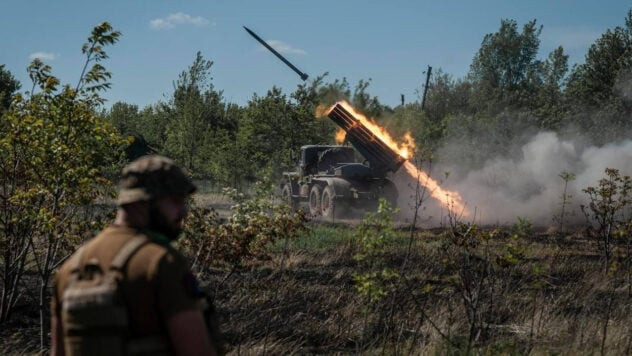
<point>154,287</point>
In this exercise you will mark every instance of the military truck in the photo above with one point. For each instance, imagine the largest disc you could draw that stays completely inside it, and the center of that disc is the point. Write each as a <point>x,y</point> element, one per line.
<point>331,181</point>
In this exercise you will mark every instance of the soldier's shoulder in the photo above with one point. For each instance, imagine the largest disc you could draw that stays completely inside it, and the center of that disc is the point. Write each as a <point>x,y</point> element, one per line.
<point>151,252</point>
<point>108,239</point>
<point>148,259</point>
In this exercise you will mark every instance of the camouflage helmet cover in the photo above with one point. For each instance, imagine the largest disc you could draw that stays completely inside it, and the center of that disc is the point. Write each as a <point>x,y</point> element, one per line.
<point>151,177</point>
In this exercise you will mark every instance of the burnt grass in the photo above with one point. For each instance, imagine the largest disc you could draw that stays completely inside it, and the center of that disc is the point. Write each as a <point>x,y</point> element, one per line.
<point>303,300</point>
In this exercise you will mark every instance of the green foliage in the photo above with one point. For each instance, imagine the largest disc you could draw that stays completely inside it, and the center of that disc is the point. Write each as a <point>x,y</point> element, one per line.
<point>608,210</point>
<point>508,94</point>
<point>125,117</point>
<point>376,231</point>
<point>505,66</point>
<point>55,154</point>
<point>8,86</point>
<point>363,101</point>
<point>373,284</point>
<point>96,78</point>
<point>319,238</point>
<point>446,96</point>
<point>317,92</point>
<point>548,104</point>
<point>373,235</point>
<point>196,111</point>
<point>469,272</point>
<point>472,267</point>
<point>522,228</point>
<point>514,249</point>
<point>272,130</point>
<point>593,82</point>
<point>598,90</point>
<point>129,121</point>
<point>256,223</point>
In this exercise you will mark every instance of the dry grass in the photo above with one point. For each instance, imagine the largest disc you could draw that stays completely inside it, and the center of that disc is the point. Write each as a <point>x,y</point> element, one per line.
<point>304,301</point>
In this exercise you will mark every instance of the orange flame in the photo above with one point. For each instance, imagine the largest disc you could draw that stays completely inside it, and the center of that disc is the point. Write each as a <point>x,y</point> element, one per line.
<point>449,199</point>
<point>340,136</point>
<point>321,111</point>
<point>405,149</point>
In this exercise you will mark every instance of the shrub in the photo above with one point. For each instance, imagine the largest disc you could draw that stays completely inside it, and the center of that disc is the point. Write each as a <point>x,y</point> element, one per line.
<point>254,224</point>
<point>608,211</point>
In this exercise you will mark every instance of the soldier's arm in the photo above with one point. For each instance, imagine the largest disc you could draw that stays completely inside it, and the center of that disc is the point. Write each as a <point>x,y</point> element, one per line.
<point>179,304</point>
<point>188,333</point>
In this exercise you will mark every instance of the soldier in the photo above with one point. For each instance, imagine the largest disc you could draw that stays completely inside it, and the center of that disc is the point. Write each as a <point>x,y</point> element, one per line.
<point>127,291</point>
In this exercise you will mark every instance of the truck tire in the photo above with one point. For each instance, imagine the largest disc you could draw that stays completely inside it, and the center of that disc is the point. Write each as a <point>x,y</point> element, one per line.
<point>314,201</point>
<point>286,195</point>
<point>330,206</point>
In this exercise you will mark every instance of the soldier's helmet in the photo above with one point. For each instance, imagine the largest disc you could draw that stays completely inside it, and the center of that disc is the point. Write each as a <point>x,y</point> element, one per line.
<point>150,177</point>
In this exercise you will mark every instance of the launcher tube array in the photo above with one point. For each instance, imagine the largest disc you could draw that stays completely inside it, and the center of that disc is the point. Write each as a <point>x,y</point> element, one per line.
<point>380,156</point>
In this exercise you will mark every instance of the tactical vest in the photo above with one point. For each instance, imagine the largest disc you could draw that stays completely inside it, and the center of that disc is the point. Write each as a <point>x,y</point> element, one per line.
<point>94,312</point>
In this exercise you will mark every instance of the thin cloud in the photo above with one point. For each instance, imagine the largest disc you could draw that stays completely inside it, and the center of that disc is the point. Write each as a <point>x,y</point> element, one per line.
<point>178,18</point>
<point>570,38</point>
<point>284,48</point>
<point>43,55</point>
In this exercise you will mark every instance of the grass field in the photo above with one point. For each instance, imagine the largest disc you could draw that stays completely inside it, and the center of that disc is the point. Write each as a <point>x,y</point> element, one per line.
<point>554,299</point>
<point>304,300</point>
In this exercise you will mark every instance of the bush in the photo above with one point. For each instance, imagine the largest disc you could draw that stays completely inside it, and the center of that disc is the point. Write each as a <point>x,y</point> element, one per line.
<point>255,223</point>
<point>608,211</point>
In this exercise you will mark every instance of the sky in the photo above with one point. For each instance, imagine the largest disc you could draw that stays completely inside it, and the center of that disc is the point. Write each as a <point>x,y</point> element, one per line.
<point>389,42</point>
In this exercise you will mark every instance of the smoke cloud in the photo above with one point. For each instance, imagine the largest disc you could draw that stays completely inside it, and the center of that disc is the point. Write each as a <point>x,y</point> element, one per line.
<point>527,185</point>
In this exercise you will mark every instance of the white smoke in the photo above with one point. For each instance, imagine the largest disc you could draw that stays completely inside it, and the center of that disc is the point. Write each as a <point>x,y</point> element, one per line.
<point>529,185</point>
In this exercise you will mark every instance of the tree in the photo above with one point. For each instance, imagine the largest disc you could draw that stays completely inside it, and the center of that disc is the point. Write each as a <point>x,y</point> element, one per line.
<point>598,91</point>
<point>550,105</point>
<point>363,101</point>
<point>274,127</point>
<point>610,57</point>
<point>8,86</point>
<point>195,112</point>
<point>153,125</point>
<point>266,131</point>
<point>126,118</point>
<point>316,92</point>
<point>55,152</point>
<point>505,66</point>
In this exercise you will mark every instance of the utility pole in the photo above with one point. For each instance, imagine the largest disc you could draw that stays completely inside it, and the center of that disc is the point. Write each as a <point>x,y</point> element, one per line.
<point>423,99</point>
<point>402,99</point>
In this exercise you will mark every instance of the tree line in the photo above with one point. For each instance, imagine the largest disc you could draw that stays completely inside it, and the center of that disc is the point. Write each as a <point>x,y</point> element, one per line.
<point>507,92</point>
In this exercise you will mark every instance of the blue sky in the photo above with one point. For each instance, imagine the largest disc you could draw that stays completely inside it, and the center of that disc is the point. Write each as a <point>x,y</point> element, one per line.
<point>390,42</point>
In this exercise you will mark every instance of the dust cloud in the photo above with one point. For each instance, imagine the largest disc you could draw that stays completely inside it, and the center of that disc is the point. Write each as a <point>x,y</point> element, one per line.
<point>527,185</point>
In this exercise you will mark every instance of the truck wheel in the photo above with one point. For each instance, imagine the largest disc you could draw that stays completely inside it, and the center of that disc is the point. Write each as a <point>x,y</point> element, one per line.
<point>286,195</point>
<point>330,206</point>
<point>314,201</point>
